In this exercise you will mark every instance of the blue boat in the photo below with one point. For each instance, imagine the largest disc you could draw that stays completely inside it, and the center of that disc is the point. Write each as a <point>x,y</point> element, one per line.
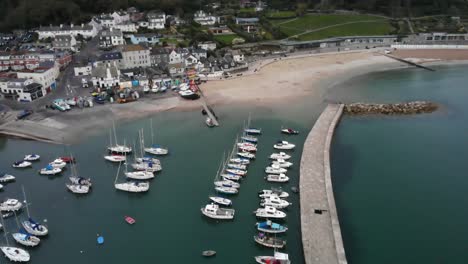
<point>249,139</point>
<point>270,227</point>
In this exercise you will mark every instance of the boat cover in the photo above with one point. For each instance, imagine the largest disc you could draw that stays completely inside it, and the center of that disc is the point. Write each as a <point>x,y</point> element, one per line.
<point>49,167</point>
<point>35,225</point>
<point>24,232</point>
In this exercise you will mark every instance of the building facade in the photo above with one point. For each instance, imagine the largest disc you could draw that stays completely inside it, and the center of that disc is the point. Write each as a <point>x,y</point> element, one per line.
<point>87,31</point>
<point>135,56</point>
<point>111,38</point>
<point>156,20</point>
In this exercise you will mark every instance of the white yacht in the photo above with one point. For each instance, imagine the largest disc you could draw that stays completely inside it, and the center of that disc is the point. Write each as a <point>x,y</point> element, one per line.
<point>58,163</point>
<point>284,145</point>
<point>275,169</point>
<point>148,160</point>
<point>237,166</point>
<point>77,188</point>
<point>277,178</point>
<point>135,187</point>
<point>10,205</point>
<point>26,239</point>
<point>240,161</point>
<point>230,176</point>
<point>282,163</point>
<point>157,150</point>
<point>32,157</point>
<point>214,211</point>
<point>50,170</point>
<point>121,149</point>
<point>115,158</point>
<point>221,200</point>
<point>269,212</point>
<point>143,166</point>
<point>237,172</point>
<point>22,164</point>
<point>227,183</point>
<point>246,155</point>
<point>6,178</point>
<point>139,175</point>
<point>273,192</point>
<point>15,254</point>
<point>226,190</point>
<point>281,155</point>
<point>275,202</point>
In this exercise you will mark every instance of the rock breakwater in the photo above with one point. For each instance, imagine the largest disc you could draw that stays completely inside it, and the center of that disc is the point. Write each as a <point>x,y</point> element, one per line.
<point>408,108</point>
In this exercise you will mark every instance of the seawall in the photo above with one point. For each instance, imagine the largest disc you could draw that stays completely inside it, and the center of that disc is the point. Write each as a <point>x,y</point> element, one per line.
<point>321,232</point>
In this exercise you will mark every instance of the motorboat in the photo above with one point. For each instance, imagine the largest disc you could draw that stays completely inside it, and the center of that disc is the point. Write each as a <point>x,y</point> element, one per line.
<point>135,187</point>
<point>67,159</point>
<point>81,181</point>
<point>237,172</point>
<point>231,177</point>
<point>277,178</point>
<point>188,94</point>
<point>157,150</point>
<point>58,163</point>
<point>226,190</point>
<point>148,160</point>
<point>242,144</point>
<point>115,158</point>
<point>237,166</point>
<point>282,163</point>
<point>143,166</point>
<point>253,131</point>
<point>209,122</point>
<point>15,254</point>
<point>275,201</point>
<point>6,178</point>
<point>270,227</point>
<point>139,175</point>
<point>278,258</point>
<point>275,169</point>
<point>227,183</point>
<point>50,170</point>
<point>250,139</point>
<point>268,241</point>
<point>246,155</point>
<point>22,164</point>
<point>78,188</point>
<point>214,211</point>
<point>281,155</point>
<point>208,253</point>
<point>269,212</point>
<point>130,220</point>
<point>248,149</point>
<point>284,145</point>
<point>221,200</point>
<point>120,149</point>
<point>34,228</point>
<point>32,157</point>
<point>289,131</point>
<point>273,192</point>
<point>10,205</point>
<point>26,239</point>
<point>240,161</point>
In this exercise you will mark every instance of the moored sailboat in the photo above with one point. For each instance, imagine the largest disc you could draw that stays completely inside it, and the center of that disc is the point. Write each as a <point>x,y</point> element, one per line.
<point>30,225</point>
<point>155,149</point>
<point>130,186</point>
<point>14,254</point>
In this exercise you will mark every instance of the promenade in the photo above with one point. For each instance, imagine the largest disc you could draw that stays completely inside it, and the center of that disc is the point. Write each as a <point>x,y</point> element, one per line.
<point>321,233</point>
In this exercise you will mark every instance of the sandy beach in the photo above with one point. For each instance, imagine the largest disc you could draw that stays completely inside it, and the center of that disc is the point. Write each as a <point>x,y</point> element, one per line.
<point>274,81</point>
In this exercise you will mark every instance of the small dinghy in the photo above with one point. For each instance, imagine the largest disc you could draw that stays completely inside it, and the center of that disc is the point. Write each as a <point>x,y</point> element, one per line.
<point>115,158</point>
<point>100,240</point>
<point>6,215</point>
<point>50,170</point>
<point>270,227</point>
<point>32,157</point>
<point>281,155</point>
<point>289,131</point>
<point>22,164</point>
<point>277,178</point>
<point>10,205</point>
<point>246,155</point>
<point>209,122</point>
<point>6,178</point>
<point>208,253</point>
<point>129,220</point>
<point>284,145</point>
<point>240,161</point>
<point>214,211</point>
<point>267,241</point>
<point>221,200</point>
<point>26,239</point>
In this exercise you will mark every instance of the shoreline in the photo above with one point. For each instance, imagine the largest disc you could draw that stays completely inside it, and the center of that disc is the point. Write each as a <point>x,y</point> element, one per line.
<point>275,82</point>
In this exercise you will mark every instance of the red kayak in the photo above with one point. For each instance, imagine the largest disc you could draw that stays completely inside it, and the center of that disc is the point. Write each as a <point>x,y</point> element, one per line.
<point>129,220</point>
<point>68,159</point>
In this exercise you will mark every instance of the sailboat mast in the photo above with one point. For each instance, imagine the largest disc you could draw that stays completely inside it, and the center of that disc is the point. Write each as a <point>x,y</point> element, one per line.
<point>115,132</point>
<point>118,171</point>
<point>152,133</point>
<point>142,142</point>
<point>5,231</point>
<point>25,201</point>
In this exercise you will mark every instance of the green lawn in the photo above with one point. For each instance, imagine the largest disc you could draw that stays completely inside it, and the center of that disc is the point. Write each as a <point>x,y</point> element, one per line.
<point>359,29</point>
<point>281,14</point>
<point>226,39</point>
<point>310,22</point>
<point>247,10</point>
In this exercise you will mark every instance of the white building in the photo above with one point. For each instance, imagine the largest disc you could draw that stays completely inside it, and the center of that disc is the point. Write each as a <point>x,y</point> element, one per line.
<point>208,45</point>
<point>135,56</point>
<point>175,57</point>
<point>105,76</point>
<point>110,38</point>
<point>205,19</point>
<point>65,42</point>
<point>83,70</point>
<point>237,56</point>
<point>156,20</point>
<point>87,31</point>
<point>107,21</point>
<point>24,90</point>
<point>127,26</point>
<point>120,17</point>
<point>44,76</point>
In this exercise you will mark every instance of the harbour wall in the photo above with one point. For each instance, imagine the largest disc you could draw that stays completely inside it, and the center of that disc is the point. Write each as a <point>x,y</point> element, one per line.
<point>320,228</point>
<point>408,108</point>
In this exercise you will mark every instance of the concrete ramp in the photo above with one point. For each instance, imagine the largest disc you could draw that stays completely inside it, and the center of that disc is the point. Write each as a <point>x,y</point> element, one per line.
<point>321,233</point>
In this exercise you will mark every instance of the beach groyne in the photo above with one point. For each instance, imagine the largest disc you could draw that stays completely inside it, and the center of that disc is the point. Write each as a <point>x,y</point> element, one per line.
<point>320,228</point>
<point>408,108</point>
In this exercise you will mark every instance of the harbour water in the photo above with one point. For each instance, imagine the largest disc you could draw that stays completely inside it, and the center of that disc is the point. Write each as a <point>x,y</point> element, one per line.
<point>399,181</point>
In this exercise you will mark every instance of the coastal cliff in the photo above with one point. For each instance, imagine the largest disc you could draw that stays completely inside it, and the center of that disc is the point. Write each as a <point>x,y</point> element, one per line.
<point>408,108</point>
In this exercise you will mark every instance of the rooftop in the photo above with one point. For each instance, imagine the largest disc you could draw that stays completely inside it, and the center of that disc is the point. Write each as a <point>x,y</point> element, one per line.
<point>110,56</point>
<point>129,48</point>
<point>66,28</point>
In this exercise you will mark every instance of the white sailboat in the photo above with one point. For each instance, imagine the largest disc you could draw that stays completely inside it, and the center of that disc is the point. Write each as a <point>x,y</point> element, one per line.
<point>32,226</point>
<point>32,157</point>
<point>115,158</point>
<point>138,175</point>
<point>130,186</point>
<point>14,254</point>
<point>24,238</point>
<point>155,149</point>
<point>22,164</point>
<point>78,184</point>
<point>58,163</point>
<point>116,148</point>
<point>145,164</point>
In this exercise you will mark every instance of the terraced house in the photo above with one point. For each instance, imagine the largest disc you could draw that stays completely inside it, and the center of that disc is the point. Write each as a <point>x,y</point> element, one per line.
<point>135,56</point>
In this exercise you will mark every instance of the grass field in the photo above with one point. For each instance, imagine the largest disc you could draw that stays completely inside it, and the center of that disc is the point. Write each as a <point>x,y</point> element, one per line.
<point>226,39</point>
<point>281,14</point>
<point>311,22</point>
<point>359,29</point>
